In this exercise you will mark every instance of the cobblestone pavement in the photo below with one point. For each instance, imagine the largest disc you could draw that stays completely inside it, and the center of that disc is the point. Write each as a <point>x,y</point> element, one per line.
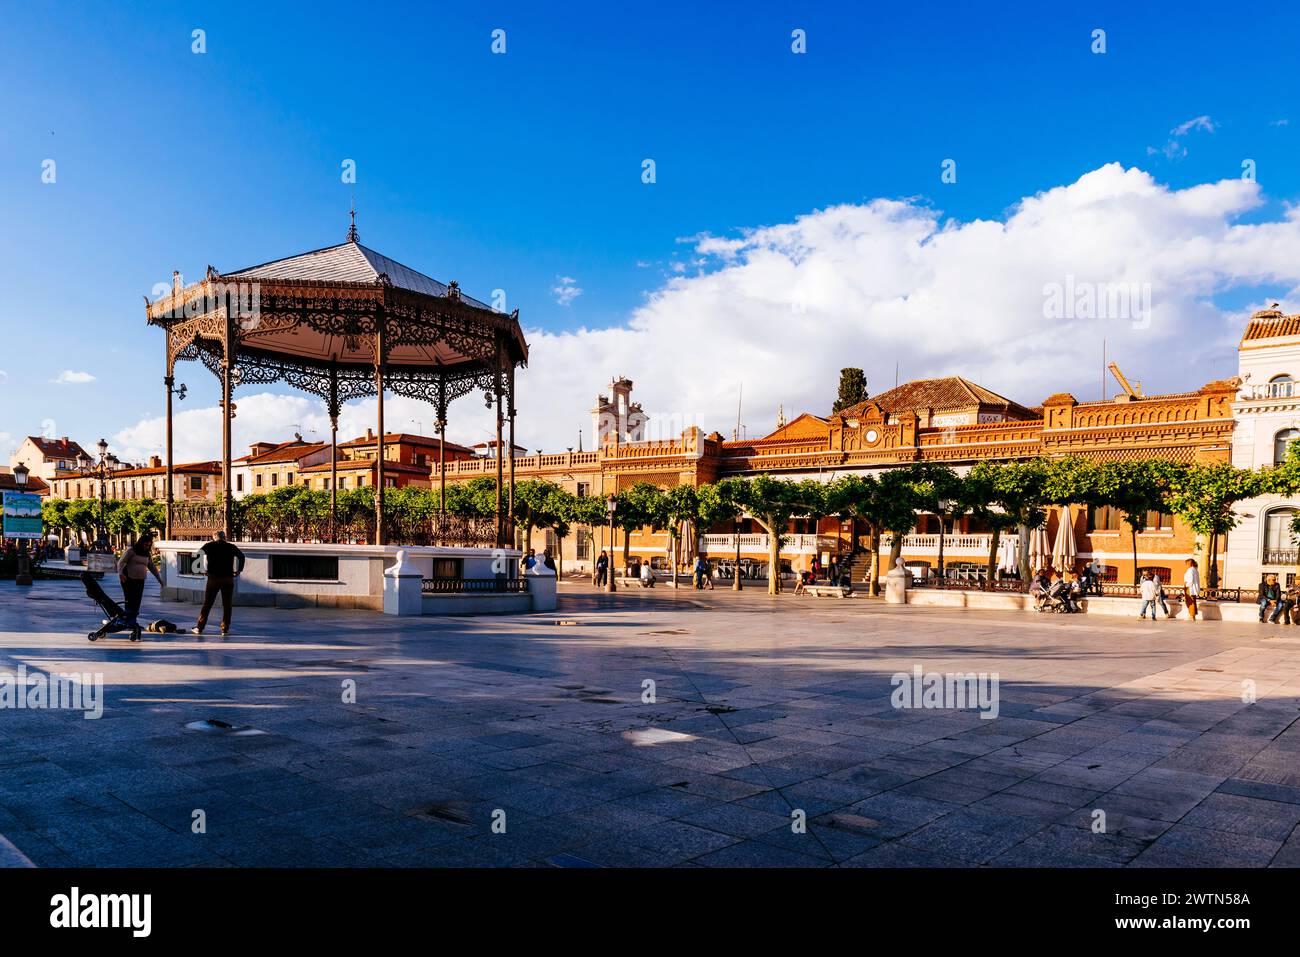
<point>1116,742</point>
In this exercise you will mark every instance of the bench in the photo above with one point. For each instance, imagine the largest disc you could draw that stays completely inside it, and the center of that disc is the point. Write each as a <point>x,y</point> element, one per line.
<point>828,591</point>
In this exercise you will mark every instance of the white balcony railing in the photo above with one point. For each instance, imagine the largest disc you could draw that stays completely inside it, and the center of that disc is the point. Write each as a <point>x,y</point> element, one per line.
<point>723,545</point>
<point>955,545</point>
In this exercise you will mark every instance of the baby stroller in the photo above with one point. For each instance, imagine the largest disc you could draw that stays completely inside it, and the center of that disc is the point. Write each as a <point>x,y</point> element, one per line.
<point>1053,598</point>
<point>116,620</point>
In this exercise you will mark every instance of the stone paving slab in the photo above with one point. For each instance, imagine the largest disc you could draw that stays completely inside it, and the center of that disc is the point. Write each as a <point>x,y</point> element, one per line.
<point>349,739</point>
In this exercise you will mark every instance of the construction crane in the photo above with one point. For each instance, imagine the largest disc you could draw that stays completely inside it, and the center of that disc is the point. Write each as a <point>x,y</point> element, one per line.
<point>1132,391</point>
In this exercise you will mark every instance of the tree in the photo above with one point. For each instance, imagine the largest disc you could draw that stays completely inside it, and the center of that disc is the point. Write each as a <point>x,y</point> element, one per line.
<point>853,389</point>
<point>637,507</point>
<point>54,515</point>
<point>938,489</point>
<point>773,502</point>
<point>1203,496</point>
<point>532,501</point>
<point>1017,490</point>
<point>83,517</point>
<point>681,505</point>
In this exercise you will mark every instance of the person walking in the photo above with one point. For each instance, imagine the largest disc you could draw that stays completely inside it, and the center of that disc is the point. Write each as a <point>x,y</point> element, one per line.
<point>222,562</point>
<point>135,565</point>
<point>1191,588</point>
<point>1149,591</point>
<point>602,568</point>
<point>1160,593</point>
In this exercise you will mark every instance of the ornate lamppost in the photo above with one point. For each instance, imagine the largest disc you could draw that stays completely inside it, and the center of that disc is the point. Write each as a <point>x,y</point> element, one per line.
<point>611,506</point>
<point>101,471</point>
<point>24,575</point>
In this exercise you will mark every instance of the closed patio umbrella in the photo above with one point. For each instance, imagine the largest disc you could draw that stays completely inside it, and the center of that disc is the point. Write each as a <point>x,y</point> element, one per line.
<point>1064,552</point>
<point>1038,548</point>
<point>1009,554</point>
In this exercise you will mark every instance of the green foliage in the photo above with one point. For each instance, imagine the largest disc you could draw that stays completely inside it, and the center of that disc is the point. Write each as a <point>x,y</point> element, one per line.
<point>853,389</point>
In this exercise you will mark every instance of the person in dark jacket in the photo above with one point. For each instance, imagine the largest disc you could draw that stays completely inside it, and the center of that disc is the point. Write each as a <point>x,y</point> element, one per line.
<point>602,568</point>
<point>1270,593</point>
<point>222,562</point>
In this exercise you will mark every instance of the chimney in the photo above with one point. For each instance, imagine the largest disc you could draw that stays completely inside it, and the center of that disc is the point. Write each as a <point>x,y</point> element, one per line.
<point>155,462</point>
<point>370,433</point>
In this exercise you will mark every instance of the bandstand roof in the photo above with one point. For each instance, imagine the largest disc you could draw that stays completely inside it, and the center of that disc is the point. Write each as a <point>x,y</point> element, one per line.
<point>315,320</point>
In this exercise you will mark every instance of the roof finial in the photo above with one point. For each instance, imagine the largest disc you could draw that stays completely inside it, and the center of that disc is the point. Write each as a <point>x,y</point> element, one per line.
<point>352,229</point>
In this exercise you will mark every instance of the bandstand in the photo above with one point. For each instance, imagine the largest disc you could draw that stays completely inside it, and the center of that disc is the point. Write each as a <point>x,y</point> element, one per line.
<point>342,323</point>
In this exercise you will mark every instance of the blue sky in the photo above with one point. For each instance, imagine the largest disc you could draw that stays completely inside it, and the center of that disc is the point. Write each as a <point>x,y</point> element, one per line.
<point>512,171</point>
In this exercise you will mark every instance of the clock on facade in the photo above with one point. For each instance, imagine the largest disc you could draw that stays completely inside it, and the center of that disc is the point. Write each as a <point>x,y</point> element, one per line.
<point>871,436</point>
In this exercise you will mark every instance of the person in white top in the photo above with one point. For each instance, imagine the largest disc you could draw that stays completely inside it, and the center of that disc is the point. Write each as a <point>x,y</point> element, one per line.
<point>1191,588</point>
<point>1150,593</point>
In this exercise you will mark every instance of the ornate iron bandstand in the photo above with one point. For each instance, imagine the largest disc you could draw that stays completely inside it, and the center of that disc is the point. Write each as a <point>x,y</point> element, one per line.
<point>343,323</point>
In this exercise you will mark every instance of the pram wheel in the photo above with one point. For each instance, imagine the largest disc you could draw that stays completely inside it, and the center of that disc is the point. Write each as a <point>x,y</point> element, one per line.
<point>93,636</point>
<point>135,634</point>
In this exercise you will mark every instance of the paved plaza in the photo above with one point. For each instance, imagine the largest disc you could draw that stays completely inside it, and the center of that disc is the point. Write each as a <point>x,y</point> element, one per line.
<point>536,741</point>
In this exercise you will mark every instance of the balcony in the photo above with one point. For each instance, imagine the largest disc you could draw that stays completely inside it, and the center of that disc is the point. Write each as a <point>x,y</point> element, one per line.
<point>790,545</point>
<point>1271,391</point>
<point>1282,556</point>
<point>953,545</point>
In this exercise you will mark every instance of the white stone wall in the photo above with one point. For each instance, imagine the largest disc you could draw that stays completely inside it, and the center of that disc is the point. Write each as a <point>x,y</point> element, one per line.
<point>1256,423</point>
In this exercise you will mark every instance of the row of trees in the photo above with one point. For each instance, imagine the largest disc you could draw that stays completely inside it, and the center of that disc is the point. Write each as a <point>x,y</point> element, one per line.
<point>78,519</point>
<point>1004,496</point>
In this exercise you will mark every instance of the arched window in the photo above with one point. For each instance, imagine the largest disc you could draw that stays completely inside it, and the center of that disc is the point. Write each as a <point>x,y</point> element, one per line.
<point>1279,540</point>
<point>1280,443</point>
<point>1281,387</point>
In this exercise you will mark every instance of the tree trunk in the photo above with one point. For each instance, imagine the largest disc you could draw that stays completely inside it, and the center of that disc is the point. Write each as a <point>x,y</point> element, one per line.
<point>1136,576</point>
<point>1025,573</point>
<point>895,551</point>
<point>993,557</point>
<point>677,554</point>
<point>627,549</point>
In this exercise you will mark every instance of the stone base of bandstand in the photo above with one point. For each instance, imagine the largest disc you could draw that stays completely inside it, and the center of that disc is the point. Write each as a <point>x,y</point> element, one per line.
<point>368,577</point>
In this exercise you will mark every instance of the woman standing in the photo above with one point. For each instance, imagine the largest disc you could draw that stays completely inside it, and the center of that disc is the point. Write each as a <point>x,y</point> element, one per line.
<point>135,564</point>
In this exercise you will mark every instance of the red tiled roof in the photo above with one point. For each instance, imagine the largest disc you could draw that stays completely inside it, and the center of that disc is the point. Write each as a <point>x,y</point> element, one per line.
<point>1269,324</point>
<point>948,392</point>
<point>200,468</point>
<point>34,484</point>
<point>289,451</point>
<point>63,448</point>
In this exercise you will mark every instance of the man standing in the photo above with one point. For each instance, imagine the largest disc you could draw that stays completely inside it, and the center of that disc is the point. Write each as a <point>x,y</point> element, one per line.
<point>1191,588</point>
<point>222,562</point>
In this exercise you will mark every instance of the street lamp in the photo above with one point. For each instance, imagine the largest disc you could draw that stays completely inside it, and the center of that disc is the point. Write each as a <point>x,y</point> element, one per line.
<point>24,575</point>
<point>611,506</point>
<point>735,577</point>
<point>943,506</point>
<point>92,469</point>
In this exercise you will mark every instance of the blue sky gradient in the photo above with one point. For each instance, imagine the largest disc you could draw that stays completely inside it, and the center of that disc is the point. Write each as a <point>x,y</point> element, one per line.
<point>513,171</point>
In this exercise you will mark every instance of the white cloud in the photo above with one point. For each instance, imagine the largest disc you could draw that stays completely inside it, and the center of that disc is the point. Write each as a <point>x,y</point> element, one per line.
<point>4,377</point>
<point>566,290</point>
<point>891,280</point>
<point>1281,122</point>
<point>1195,123</point>
<point>69,377</point>
<point>869,285</point>
<point>1174,149</point>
